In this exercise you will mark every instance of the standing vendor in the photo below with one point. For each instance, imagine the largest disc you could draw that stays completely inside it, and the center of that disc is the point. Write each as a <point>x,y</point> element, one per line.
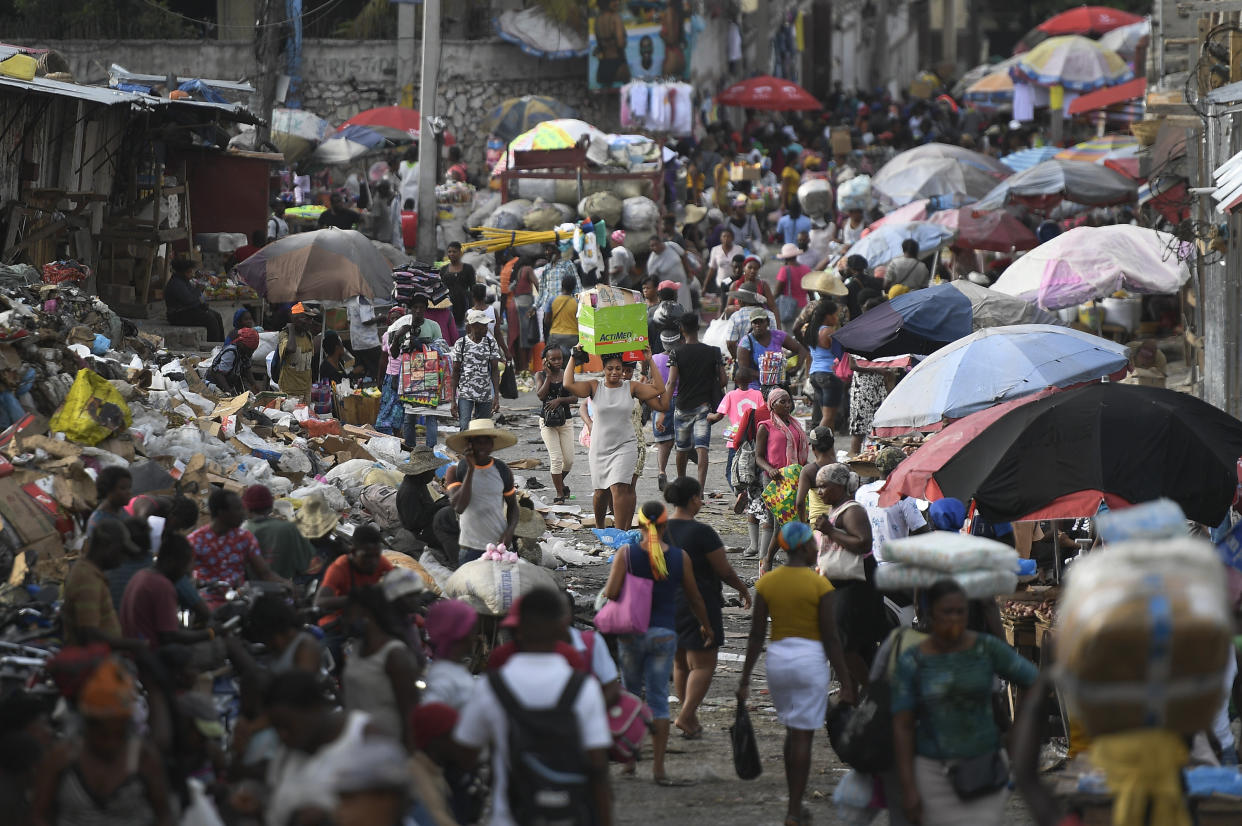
<point>295,348</point>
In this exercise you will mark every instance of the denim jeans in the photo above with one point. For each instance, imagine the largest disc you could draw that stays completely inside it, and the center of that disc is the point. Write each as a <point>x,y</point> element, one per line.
<point>469,409</point>
<point>647,664</point>
<point>729,466</point>
<point>409,433</point>
<point>465,555</point>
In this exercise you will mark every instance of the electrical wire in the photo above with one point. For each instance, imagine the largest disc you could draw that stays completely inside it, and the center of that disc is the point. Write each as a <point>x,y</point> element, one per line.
<point>314,14</point>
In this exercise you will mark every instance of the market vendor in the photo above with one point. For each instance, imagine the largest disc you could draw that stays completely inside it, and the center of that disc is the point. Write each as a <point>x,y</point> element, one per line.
<point>338,215</point>
<point>295,348</point>
<point>481,489</point>
<point>185,304</point>
<point>230,371</point>
<point>416,505</point>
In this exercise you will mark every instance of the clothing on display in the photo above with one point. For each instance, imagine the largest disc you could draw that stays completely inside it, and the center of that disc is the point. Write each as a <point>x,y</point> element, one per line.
<point>658,107</point>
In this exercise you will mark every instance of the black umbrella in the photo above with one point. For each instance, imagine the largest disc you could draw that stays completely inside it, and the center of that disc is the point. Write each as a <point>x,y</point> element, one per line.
<point>1060,456</point>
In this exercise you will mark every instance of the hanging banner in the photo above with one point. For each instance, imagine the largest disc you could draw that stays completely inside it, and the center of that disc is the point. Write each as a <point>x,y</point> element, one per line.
<point>638,40</point>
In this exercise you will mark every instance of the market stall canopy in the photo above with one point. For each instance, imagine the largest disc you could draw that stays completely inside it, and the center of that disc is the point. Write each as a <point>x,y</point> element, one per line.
<point>1099,150</point>
<point>1045,184</point>
<point>1095,20</point>
<point>516,115</point>
<point>992,366</point>
<point>537,34</point>
<point>921,321</point>
<point>988,308</point>
<point>994,231</point>
<point>770,93</point>
<point>1124,40</point>
<point>967,157</point>
<point>1077,63</point>
<point>913,211</point>
<point>991,91</point>
<point>1024,159</point>
<point>1111,96</point>
<point>1087,263</point>
<point>884,244</point>
<point>354,141</point>
<point>324,265</point>
<point>295,132</point>
<point>905,179</point>
<point>1060,456</point>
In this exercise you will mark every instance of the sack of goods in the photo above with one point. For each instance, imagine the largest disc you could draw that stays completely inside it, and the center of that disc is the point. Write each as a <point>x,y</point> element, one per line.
<point>611,320</point>
<point>815,196</point>
<point>490,587</point>
<point>1143,633</point>
<point>854,193</point>
<point>983,567</point>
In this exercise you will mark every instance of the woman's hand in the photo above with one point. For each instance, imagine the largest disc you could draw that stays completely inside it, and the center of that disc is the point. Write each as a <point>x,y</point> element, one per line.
<point>912,804</point>
<point>823,524</point>
<point>495,404</point>
<point>849,693</point>
<point>708,636</point>
<point>744,593</point>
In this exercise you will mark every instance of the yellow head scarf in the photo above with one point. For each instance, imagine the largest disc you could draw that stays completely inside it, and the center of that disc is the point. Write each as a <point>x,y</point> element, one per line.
<point>651,542</point>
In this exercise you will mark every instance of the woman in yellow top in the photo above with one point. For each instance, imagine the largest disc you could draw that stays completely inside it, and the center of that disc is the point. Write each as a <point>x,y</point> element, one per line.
<point>804,643</point>
<point>562,318</point>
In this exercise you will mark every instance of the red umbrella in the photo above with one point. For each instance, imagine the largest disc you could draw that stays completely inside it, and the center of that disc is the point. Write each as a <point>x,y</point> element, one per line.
<point>995,231</point>
<point>394,117</point>
<point>914,476</point>
<point>1087,20</point>
<point>767,92</point>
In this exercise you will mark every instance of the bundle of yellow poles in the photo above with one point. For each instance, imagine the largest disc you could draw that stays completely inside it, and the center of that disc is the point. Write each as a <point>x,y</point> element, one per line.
<point>494,239</point>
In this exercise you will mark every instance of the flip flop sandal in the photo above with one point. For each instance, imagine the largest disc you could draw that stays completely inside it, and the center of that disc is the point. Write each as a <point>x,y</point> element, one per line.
<point>692,735</point>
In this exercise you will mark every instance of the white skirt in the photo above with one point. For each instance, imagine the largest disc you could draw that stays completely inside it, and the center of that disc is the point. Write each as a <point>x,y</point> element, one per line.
<point>942,806</point>
<point>798,676</point>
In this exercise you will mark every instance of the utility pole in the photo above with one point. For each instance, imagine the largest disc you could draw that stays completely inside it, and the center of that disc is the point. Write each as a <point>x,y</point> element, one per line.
<point>950,34</point>
<point>428,150</point>
<point>405,54</point>
<point>267,44</point>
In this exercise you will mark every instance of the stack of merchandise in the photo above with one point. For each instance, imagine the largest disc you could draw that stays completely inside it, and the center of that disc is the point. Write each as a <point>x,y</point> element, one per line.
<point>612,320</point>
<point>983,567</point>
<point>417,279</point>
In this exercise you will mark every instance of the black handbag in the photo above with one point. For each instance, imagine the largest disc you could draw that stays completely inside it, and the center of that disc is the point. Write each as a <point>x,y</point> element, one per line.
<point>555,416</point>
<point>745,749</point>
<point>508,383</point>
<point>862,734</point>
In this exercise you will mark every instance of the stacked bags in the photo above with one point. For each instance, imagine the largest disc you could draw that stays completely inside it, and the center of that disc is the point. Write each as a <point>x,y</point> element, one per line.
<point>983,567</point>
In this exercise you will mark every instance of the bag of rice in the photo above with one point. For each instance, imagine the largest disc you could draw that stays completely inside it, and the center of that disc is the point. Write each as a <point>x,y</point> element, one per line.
<point>950,552</point>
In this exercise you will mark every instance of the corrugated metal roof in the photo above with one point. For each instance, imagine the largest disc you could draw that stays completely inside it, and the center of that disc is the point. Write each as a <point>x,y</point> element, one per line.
<point>94,94</point>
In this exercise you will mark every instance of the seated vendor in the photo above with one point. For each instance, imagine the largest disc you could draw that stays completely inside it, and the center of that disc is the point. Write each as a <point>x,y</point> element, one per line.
<point>185,303</point>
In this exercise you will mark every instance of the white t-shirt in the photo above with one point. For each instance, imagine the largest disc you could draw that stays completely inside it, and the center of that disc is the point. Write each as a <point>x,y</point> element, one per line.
<point>298,779</point>
<point>602,666</point>
<point>449,683</point>
<point>722,260</point>
<point>893,522</point>
<point>362,336</point>
<point>537,680</point>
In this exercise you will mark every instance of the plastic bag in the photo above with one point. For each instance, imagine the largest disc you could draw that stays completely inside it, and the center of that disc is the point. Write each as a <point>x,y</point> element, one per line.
<point>745,748</point>
<point>639,213</point>
<point>92,411</point>
<point>386,448</point>
<point>852,797</point>
<point>717,334</point>
<point>949,552</point>
<point>330,494</point>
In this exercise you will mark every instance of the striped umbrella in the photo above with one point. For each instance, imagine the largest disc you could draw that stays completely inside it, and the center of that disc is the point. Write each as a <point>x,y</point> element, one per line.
<point>355,141</point>
<point>563,133</point>
<point>1077,63</point>
<point>516,115</point>
<point>991,91</point>
<point>1026,158</point>
<point>1099,150</point>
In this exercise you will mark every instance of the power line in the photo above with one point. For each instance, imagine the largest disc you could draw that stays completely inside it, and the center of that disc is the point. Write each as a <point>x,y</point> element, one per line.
<point>314,14</point>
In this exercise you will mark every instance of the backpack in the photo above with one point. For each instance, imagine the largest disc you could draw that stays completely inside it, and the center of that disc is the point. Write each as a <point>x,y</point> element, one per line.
<point>547,767</point>
<point>745,466</point>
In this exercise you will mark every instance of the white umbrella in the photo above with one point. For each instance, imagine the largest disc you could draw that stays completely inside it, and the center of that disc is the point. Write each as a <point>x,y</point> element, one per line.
<point>905,179</point>
<point>1086,263</point>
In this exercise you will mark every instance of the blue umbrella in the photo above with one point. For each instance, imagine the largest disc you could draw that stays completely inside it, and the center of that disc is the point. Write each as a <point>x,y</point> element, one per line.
<point>995,365</point>
<point>922,321</point>
<point>1026,158</point>
<point>884,244</point>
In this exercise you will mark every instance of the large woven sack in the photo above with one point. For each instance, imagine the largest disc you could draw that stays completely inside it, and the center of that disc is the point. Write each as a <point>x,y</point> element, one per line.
<point>491,587</point>
<point>400,560</point>
<point>604,204</point>
<point>815,196</point>
<point>1143,633</point>
<point>639,214</point>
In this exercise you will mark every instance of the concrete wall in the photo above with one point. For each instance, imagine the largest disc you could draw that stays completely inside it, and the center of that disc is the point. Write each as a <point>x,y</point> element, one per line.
<point>343,77</point>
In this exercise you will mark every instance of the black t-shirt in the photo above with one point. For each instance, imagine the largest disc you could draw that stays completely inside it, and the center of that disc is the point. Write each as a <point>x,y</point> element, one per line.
<point>459,284</point>
<point>344,219</point>
<point>698,540</point>
<point>698,374</point>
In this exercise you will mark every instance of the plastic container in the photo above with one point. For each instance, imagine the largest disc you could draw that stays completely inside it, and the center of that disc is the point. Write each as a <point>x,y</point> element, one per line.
<point>20,66</point>
<point>1124,312</point>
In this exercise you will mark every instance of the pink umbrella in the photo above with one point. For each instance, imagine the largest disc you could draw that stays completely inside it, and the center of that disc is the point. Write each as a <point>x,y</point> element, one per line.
<point>913,211</point>
<point>995,231</point>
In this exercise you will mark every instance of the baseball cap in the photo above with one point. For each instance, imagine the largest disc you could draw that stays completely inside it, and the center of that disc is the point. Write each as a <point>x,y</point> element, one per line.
<point>476,317</point>
<point>887,460</point>
<point>821,438</point>
<point>668,285</point>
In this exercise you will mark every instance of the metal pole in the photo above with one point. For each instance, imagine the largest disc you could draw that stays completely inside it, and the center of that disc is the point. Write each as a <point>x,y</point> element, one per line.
<point>405,54</point>
<point>950,33</point>
<point>428,150</point>
<point>267,35</point>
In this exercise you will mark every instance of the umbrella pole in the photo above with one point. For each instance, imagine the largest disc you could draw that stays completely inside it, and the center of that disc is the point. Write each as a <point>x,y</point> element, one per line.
<point>935,266</point>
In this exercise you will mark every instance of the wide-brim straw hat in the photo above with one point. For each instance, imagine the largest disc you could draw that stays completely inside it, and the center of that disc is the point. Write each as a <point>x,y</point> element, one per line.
<point>824,282</point>
<point>422,460</point>
<point>501,439</point>
<point>694,214</point>
<point>316,518</point>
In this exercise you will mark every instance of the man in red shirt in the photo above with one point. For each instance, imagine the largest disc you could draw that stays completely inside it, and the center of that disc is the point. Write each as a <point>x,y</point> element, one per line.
<point>363,565</point>
<point>149,607</point>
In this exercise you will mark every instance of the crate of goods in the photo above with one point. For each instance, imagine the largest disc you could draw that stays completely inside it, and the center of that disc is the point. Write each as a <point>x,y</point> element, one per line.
<point>1143,635</point>
<point>1020,612</point>
<point>360,408</point>
<point>611,320</point>
<point>744,172</point>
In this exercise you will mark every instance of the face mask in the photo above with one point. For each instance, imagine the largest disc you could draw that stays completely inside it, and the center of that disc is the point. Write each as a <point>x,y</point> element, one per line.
<point>952,631</point>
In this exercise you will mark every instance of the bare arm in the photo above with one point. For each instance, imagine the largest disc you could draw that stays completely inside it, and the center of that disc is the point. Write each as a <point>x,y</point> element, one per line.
<point>327,600</point>
<point>601,785</point>
<point>459,492</point>
<point>855,534</point>
<point>674,378</point>
<point>720,564</point>
<point>403,675</point>
<point>806,480</point>
<point>761,452</point>
<point>903,746</point>
<point>833,650</point>
<point>754,644</point>
<point>691,588</point>
<point>616,574</point>
<point>511,519</point>
<point>581,389</point>
<point>1039,799</point>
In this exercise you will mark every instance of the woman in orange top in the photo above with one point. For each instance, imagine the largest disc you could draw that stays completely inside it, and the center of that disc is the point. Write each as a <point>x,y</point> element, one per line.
<point>804,643</point>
